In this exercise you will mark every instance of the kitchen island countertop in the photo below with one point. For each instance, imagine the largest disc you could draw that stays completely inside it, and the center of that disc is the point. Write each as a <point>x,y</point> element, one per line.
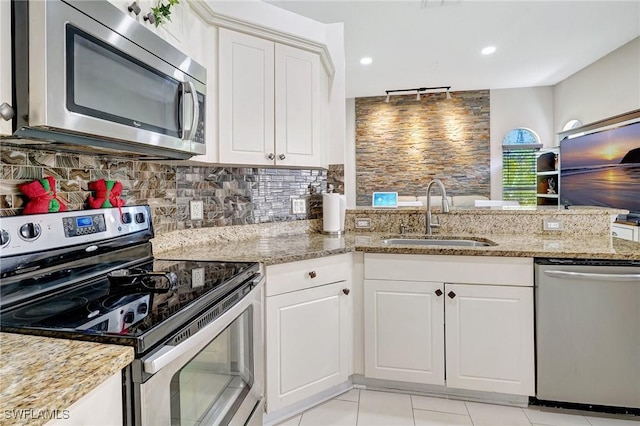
<point>42,375</point>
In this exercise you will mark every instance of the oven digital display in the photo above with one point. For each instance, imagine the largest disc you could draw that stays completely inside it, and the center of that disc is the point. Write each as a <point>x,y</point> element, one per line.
<point>84,221</point>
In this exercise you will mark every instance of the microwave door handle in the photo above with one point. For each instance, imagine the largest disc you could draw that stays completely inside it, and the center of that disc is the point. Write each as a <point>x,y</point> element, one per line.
<point>189,87</point>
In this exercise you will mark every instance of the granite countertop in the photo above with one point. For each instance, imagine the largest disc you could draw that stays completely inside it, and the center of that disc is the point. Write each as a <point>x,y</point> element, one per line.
<point>274,250</point>
<point>42,373</point>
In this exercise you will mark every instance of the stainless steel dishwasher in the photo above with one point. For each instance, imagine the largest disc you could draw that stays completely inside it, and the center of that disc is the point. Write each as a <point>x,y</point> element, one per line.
<point>588,332</point>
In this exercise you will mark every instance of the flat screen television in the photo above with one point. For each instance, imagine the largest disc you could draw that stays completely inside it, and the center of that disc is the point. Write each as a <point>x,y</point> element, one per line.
<point>602,168</point>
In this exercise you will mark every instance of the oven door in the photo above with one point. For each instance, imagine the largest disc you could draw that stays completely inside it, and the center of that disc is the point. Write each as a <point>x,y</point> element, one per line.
<point>215,376</point>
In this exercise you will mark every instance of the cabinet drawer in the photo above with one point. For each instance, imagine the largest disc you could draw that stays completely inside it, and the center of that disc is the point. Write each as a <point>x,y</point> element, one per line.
<point>309,273</point>
<point>514,271</point>
<point>623,232</point>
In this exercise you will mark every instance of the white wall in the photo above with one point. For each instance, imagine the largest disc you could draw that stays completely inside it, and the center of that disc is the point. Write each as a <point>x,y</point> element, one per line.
<point>530,107</point>
<point>350,156</point>
<point>608,87</point>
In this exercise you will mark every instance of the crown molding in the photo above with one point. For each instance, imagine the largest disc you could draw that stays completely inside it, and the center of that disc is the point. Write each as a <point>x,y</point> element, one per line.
<point>211,17</point>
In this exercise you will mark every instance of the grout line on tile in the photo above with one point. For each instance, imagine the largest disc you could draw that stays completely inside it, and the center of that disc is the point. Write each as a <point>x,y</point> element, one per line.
<point>525,415</point>
<point>469,413</point>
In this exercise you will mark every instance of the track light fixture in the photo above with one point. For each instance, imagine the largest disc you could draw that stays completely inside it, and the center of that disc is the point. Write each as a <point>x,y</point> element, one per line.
<point>419,91</point>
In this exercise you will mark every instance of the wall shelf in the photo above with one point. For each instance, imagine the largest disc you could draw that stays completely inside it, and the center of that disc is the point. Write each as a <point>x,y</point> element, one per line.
<point>547,177</point>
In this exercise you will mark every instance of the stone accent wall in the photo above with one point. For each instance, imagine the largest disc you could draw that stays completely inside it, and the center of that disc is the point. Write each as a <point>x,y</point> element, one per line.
<point>403,144</point>
<point>231,195</point>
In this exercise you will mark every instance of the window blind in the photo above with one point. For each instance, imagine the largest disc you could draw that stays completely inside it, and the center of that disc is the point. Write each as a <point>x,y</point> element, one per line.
<point>519,176</point>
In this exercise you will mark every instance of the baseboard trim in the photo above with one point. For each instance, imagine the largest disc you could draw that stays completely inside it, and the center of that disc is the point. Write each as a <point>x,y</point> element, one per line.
<point>361,382</point>
<point>305,404</point>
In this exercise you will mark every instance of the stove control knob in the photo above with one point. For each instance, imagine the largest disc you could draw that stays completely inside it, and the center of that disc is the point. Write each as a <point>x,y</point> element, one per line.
<point>30,231</point>
<point>128,317</point>
<point>4,237</point>
<point>139,217</point>
<point>126,217</point>
<point>142,308</point>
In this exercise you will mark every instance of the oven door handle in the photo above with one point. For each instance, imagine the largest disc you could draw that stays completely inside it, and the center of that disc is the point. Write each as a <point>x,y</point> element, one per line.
<point>169,353</point>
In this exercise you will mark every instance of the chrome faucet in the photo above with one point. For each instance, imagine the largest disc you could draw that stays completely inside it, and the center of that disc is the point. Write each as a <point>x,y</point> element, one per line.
<point>445,205</point>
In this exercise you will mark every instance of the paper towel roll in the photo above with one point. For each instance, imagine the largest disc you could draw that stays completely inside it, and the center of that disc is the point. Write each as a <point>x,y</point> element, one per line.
<point>333,212</point>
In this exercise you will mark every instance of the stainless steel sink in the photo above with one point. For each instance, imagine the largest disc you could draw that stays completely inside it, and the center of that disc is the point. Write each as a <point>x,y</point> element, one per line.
<point>438,242</point>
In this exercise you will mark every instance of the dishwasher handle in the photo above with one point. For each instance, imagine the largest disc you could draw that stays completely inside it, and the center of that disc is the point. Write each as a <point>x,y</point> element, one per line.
<point>594,276</point>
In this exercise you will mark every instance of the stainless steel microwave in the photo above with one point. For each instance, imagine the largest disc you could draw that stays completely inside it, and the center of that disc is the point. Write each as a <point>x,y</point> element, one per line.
<point>88,74</point>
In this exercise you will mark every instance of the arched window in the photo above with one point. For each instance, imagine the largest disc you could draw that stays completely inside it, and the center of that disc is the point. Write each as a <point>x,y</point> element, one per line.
<point>572,124</point>
<point>519,165</point>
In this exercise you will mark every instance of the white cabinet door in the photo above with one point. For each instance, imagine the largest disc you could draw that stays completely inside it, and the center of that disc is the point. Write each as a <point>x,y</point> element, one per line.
<point>404,331</point>
<point>5,62</point>
<point>308,341</point>
<point>489,335</point>
<point>246,76</point>
<point>298,118</point>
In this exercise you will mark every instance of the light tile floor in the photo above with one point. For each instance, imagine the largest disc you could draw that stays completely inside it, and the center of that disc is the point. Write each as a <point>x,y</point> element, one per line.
<point>371,408</point>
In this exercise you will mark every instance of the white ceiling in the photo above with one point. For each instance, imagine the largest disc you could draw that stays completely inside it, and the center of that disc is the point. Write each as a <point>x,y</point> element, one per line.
<point>425,43</point>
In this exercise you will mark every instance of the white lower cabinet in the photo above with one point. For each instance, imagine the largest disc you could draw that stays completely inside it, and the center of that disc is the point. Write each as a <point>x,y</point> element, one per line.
<point>101,406</point>
<point>418,320</point>
<point>404,332</point>
<point>308,329</point>
<point>489,335</point>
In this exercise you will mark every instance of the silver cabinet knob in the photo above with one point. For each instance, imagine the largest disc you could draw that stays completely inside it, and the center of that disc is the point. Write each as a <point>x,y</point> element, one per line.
<point>271,156</point>
<point>6,111</point>
<point>282,156</point>
<point>150,17</point>
<point>133,7</point>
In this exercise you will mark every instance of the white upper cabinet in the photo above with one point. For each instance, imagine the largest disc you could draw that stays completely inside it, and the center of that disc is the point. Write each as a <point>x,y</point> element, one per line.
<point>5,67</point>
<point>171,30</point>
<point>270,102</point>
<point>298,118</point>
<point>247,94</point>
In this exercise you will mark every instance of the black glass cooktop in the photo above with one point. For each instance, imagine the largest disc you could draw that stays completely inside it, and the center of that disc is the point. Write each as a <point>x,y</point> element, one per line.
<point>125,313</point>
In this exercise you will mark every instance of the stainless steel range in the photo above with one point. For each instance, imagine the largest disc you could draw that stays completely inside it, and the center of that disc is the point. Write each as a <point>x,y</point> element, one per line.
<point>196,327</point>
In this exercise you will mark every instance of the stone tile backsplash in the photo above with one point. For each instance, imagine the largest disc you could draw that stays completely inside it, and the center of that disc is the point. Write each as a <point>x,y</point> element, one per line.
<point>403,144</point>
<point>231,195</point>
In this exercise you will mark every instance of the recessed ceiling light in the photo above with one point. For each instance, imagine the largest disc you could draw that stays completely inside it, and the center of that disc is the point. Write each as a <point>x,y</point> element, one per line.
<point>366,60</point>
<point>488,50</point>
